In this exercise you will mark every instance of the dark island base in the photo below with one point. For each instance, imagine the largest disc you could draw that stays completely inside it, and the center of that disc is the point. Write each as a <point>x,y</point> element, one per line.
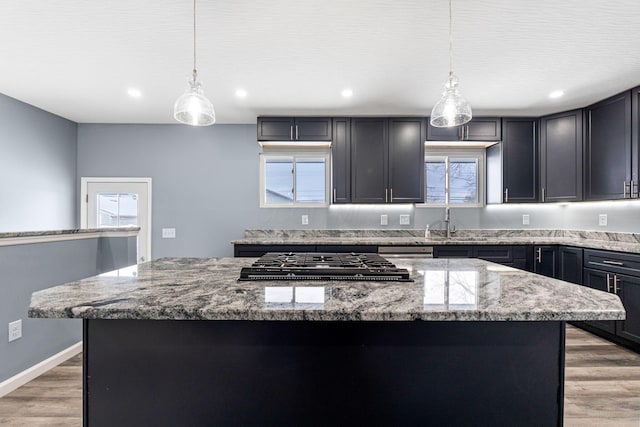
<point>192,373</point>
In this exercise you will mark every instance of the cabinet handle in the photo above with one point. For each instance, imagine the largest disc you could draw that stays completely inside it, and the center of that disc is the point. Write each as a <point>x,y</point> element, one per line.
<point>618,263</point>
<point>334,195</point>
<point>608,283</point>
<point>391,194</point>
<point>385,195</point>
<point>291,133</point>
<point>615,284</point>
<point>506,195</point>
<point>297,133</point>
<point>543,194</point>
<point>539,256</point>
<point>624,190</point>
<point>634,184</point>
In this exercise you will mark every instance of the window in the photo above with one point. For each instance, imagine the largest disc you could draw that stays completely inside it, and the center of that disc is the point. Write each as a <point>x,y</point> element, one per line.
<point>294,180</point>
<point>454,178</point>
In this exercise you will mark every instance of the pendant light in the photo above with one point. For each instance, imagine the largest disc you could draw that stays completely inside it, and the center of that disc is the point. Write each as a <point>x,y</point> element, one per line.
<point>452,109</point>
<point>192,107</point>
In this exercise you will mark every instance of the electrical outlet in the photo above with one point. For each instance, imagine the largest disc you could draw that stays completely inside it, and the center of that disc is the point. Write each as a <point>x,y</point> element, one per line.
<point>602,220</point>
<point>168,233</point>
<point>404,220</point>
<point>15,330</point>
<point>305,219</point>
<point>384,220</point>
<point>526,220</point>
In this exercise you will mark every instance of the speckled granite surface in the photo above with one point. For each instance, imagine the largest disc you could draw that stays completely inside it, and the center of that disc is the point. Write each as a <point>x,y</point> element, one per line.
<point>63,232</point>
<point>207,289</point>
<point>623,242</point>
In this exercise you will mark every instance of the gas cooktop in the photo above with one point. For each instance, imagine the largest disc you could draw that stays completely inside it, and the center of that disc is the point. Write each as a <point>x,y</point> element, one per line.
<point>324,266</point>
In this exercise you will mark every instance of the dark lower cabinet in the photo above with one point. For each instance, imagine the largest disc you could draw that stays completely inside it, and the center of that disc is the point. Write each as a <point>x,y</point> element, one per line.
<point>453,251</point>
<point>241,250</point>
<point>520,256</point>
<point>617,273</point>
<point>546,260</point>
<point>570,264</point>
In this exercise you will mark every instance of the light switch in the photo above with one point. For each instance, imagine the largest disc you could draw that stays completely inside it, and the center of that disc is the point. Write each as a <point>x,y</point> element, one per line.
<point>305,219</point>
<point>384,219</point>
<point>404,220</point>
<point>525,219</point>
<point>168,233</point>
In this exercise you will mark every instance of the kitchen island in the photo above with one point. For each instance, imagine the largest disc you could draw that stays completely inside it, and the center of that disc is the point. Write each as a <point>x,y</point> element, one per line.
<point>182,342</point>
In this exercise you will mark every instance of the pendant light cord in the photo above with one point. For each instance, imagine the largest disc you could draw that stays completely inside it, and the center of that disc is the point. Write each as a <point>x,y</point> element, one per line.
<point>194,37</point>
<point>450,43</point>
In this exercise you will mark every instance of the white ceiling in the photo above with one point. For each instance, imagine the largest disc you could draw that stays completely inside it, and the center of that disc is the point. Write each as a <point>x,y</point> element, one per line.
<point>77,58</point>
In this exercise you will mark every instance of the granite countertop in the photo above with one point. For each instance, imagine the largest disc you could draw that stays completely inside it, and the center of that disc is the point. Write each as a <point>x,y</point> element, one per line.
<point>14,234</point>
<point>207,289</point>
<point>622,242</point>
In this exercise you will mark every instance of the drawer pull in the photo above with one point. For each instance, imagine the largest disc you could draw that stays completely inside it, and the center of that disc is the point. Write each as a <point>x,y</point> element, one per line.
<point>608,283</point>
<point>606,261</point>
<point>615,284</point>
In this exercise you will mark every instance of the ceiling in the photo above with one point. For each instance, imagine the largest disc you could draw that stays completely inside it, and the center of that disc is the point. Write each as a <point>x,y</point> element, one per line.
<point>78,58</point>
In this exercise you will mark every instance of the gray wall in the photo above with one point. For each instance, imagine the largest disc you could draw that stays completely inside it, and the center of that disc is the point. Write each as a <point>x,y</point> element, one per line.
<point>37,168</point>
<point>32,267</point>
<point>205,183</point>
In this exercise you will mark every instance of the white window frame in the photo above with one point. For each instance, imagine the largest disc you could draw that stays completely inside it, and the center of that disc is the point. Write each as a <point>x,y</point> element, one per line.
<point>277,153</point>
<point>457,153</point>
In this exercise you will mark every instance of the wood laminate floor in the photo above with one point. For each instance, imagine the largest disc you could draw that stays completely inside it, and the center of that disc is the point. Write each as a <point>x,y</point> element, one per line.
<point>602,388</point>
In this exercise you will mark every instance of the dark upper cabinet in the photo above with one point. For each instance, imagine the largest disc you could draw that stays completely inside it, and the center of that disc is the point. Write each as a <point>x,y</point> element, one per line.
<point>512,165</point>
<point>406,160</point>
<point>608,148</point>
<point>369,160</point>
<point>294,129</point>
<point>341,161</point>
<point>561,148</point>
<point>546,260</point>
<point>387,160</point>
<point>570,263</point>
<point>635,142</point>
<point>478,129</point>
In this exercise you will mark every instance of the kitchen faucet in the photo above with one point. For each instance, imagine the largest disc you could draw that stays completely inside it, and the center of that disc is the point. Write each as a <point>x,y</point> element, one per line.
<point>447,221</point>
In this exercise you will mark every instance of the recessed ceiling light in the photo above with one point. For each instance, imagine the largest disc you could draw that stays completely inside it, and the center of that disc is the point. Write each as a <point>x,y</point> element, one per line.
<point>347,93</point>
<point>556,94</point>
<point>241,93</point>
<point>134,93</point>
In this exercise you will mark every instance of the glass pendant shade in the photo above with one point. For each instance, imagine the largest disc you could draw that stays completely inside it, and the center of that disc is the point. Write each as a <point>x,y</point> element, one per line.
<point>451,109</point>
<point>192,107</point>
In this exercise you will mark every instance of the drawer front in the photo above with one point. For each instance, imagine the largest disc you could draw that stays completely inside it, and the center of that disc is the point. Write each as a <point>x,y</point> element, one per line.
<point>500,254</point>
<point>259,250</point>
<point>347,248</point>
<point>453,251</point>
<point>614,262</point>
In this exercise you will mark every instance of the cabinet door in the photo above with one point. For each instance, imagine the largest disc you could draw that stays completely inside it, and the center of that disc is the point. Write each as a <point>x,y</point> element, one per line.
<point>312,129</point>
<point>608,147</point>
<point>483,129</point>
<point>406,160</point>
<point>341,161</point>
<point>369,150</point>
<point>561,147</point>
<point>519,160</point>
<point>442,134</point>
<point>597,279</point>
<point>275,128</point>
<point>635,140</point>
<point>629,292</point>
<point>546,260</point>
<point>570,264</point>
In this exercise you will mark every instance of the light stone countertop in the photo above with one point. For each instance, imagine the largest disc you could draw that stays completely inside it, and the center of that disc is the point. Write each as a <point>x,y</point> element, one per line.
<point>207,289</point>
<point>14,234</point>
<point>622,242</point>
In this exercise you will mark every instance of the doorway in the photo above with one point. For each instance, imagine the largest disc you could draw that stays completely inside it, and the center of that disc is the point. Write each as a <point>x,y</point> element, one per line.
<point>118,202</point>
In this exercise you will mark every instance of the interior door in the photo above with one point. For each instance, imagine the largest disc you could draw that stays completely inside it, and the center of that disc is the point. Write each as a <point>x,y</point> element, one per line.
<point>111,202</point>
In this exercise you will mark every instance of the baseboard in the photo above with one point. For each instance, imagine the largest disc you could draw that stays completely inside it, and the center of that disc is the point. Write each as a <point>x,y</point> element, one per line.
<point>35,371</point>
